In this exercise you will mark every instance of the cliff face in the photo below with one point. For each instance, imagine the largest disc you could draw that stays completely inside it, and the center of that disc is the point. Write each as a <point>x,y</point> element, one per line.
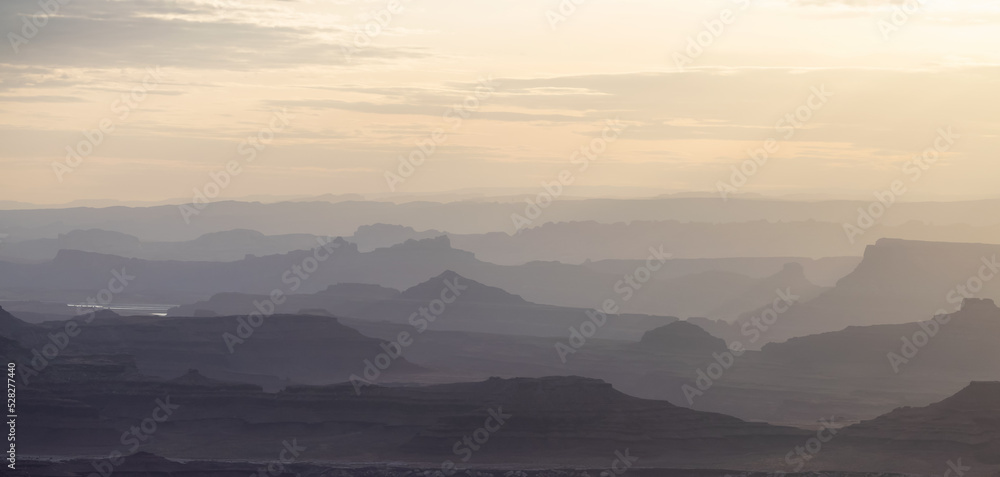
<point>897,281</point>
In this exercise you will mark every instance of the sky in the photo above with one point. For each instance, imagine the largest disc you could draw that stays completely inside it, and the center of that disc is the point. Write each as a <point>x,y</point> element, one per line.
<point>311,97</point>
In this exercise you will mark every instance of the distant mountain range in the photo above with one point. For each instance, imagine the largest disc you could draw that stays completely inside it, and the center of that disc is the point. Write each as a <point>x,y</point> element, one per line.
<point>822,247</point>
<point>79,275</point>
<point>166,223</point>
<point>577,242</point>
<point>786,382</point>
<point>229,245</point>
<point>896,282</point>
<point>476,308</point>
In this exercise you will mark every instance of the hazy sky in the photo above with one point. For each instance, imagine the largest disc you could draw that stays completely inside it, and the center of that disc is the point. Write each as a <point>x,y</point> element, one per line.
<point>226,67</point>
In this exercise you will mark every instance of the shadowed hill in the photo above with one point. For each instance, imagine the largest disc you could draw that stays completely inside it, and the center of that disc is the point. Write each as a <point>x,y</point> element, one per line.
<point>682,336</point>
<point>449,302</point>
<point>470,291</point>
<point>280,349</point>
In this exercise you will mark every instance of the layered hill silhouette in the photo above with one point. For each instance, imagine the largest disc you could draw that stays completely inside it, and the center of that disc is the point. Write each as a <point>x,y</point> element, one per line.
<point>575,242</point>
<point>473,307</point>
<point>972,416</point>
<point>166,223</point>
<point>568,242</point>
<point>549,421</point>
<point>809,374</point>
<point>226,245</point>
<point>271,352</point>
<point>399,267</point>
<point>554,420</point>
<point>847,373</point>
<point>898,281</point>
<point>858,372</point>
<point>833,373</point>
<point>750,335</point>
<point>960,432</point>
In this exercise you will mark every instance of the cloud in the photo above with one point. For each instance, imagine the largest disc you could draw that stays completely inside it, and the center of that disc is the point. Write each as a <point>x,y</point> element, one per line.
<point>40,99</point>
<point>101,34</point>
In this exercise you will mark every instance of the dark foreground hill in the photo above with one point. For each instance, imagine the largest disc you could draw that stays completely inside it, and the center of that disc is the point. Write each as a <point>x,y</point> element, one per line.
<point>271,352</point>
<point>554,421</point>
<point>142,464</point>
<point>524,423</point>
<point>98,389</point>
